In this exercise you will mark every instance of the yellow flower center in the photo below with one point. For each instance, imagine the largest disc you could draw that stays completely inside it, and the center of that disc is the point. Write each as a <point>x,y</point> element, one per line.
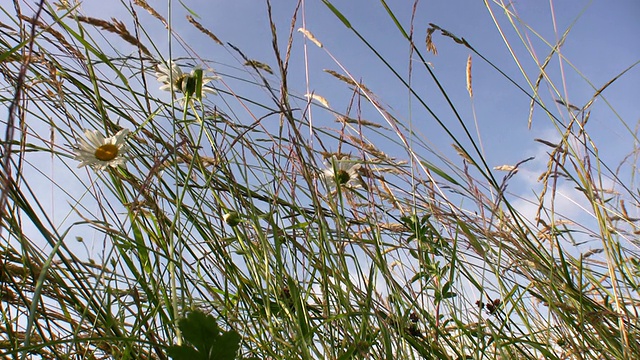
<point>106,152</point>
<point>342,177</point>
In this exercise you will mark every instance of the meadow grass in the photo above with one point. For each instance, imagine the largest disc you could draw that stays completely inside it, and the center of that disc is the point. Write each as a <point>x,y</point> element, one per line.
<point>308,238</point>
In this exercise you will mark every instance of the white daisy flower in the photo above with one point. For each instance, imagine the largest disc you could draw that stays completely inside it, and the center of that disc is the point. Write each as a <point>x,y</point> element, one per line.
<point>342,172</point>
<point>100,152</point>
<point>183,83</point>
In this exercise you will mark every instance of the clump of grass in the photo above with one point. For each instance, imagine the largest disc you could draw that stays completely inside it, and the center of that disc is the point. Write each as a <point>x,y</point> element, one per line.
<point>353,238</point>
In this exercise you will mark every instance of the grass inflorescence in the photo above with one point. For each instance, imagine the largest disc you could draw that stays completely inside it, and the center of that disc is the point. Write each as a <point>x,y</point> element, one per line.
<point>243,211</point>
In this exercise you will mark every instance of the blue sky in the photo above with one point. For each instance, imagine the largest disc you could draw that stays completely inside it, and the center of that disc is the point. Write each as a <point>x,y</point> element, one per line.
<point>601,44</point>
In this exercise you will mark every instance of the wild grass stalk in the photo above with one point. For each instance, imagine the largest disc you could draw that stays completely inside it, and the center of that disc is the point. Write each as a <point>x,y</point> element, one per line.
<point>306,238</point>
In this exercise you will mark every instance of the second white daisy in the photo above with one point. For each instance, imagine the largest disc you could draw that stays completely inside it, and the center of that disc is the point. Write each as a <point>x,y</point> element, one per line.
<point>172,77</point>
<point>342,173</point>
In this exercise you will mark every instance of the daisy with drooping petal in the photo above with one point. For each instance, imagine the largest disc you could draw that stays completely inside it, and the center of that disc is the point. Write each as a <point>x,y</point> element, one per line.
<point>100,152</point>
<point>165,75</point>
<point>172,77</point>
<point>342,173</point>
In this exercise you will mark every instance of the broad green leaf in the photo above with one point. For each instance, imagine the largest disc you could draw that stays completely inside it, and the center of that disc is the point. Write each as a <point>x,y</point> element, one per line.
<point>226,346</point>
<point>199,329</point>
<point>184,353</point>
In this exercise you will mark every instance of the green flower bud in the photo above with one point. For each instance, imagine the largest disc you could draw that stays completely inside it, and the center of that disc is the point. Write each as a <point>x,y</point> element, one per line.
<point>231,218</point>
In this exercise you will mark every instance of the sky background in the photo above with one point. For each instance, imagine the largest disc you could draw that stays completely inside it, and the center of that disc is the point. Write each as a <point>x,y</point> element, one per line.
<point>601,44</point>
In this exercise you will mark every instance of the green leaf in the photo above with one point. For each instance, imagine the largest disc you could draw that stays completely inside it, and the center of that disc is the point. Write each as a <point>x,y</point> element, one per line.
<point>189,10</point>
<point>200,329</point>
<point>440,172</point>
<point>197,75</point>
<point>183,352</point>
<point>337,13</point>
<point>226,347</point>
